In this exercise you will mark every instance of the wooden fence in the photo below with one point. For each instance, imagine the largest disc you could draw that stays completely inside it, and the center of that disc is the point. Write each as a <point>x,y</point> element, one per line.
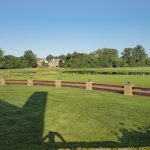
<point>127,89</point>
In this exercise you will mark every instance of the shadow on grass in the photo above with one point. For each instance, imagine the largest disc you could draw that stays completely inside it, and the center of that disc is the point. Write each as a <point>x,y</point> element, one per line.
<point>22,128</point>
<point>133,138</point>
<point>130,138</point>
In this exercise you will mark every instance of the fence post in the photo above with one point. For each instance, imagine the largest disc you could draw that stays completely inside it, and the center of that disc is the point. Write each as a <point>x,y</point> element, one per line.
<point>128,89</point>
<point>89,85</point>
<point>2,81</point>
<point>58,83</point>
<point>30,82</point>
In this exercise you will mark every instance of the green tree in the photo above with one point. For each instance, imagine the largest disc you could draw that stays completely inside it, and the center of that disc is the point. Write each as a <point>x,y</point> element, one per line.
<point>31,58</point>
<point>148,61</point>
<point>62,60</point>
<point>1,53</point>
<point>93,60</point>
<point>127,56</point>
<point>1,63</point>
<point>23,63</point>
<point>120,63</point>
<point>11,62</point>
<point>1,59</point>
<point>101,58</point>
<point>107,57</point>
<point>135,56</point>
<point>139,56</point>
<point>49,57</point>
<point>76,60</point>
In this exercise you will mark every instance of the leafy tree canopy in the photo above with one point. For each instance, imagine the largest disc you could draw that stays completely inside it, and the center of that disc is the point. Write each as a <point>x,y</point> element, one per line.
<point>105,57</point>
<point>30,58</point>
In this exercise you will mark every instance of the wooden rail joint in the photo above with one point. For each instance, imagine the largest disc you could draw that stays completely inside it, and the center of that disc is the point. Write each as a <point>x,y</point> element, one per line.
<point>89,85</point>
<point>30,82</point>
<point>58,83</point>
<point>128,89</point>
<point>2,81</point>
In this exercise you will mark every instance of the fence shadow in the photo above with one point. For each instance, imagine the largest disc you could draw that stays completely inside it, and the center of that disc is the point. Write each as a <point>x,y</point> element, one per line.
<point>22,125</point>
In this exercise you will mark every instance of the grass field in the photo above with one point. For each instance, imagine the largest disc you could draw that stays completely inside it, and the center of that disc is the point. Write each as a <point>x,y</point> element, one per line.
<point>28,114</point>
<point>55,73</point>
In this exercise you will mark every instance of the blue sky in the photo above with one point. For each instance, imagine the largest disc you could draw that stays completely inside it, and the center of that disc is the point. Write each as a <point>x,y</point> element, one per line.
<point>62,26</point>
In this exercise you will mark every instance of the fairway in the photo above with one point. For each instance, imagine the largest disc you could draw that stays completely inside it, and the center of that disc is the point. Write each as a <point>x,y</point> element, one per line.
<point>28,114</point>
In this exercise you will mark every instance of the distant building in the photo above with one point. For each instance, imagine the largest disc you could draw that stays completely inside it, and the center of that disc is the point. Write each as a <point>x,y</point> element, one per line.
<point>54,62</point>
<point>41,62</point>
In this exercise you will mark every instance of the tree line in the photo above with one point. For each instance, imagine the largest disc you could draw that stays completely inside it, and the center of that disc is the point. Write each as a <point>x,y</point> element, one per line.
<point>28,60</point>
<point>105,57</point>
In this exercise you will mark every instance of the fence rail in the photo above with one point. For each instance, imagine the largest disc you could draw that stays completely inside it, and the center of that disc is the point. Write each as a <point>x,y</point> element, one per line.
<point>127,89</point>
<point>17,82</point>
<point>141,91</point>
<point>44,83</point>
<point>73,84</point>
<point>108,87</point>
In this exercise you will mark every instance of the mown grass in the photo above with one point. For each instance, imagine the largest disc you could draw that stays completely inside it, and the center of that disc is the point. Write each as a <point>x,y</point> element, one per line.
<point>137,80</point>
<point>27,114</point>
<point>108,70</point>
<point>55,73</point>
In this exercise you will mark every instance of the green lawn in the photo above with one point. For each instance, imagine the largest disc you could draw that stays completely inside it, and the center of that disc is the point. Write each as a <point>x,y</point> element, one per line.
<point>27,114</point>
<point>137,80</point>
<point>55,73</point>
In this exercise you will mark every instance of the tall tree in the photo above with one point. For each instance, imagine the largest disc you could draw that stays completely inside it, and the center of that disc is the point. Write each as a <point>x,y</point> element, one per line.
<point>148,61</point>
<point>1,53</point>
<point>31,58</point>
<point>135,56</point>
<point>127,56</point>
<point>107,57</point>
<point>1,59</point>
<point>139,56</point>
<point>49,57</point>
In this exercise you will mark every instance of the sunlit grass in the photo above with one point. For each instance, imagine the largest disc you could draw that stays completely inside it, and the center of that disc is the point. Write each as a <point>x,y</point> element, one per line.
<point>55,73</point>
<point>78,115</point>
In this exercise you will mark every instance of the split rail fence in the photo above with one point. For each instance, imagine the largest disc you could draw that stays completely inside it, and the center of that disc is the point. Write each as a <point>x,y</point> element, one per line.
<point>127,89</point>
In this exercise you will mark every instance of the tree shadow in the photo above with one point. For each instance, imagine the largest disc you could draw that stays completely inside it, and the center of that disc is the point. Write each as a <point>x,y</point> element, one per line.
<point>129,138</point>
<point>133,138</point>
<point>22,126</point>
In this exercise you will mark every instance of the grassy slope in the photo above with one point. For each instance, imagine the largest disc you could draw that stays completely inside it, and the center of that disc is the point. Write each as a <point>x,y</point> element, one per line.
<point>76,114</point>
